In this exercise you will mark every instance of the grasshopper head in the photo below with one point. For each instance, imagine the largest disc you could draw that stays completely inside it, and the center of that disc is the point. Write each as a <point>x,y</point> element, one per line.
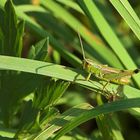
<point>86,63</point>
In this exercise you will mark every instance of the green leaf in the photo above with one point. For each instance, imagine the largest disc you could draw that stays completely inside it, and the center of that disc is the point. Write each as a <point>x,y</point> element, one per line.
<point>39,51</point>
<point>92,113</point>
<point>2,3</point>
<point>16,86</point>
<point>64,73</point>
<point>7,134</point>
<point>37,29</point>
<point>19,38</point>
<point>108,33</point>
<point>37,115</point>
<point>44,68</point>
<point>34,120</point>
<point>108,124</point>
<point>49,92</point>
<point>28,121</point>
<point>31,53</point>
<point>12,31</point>
<point>128,14</point>
<point>5,138</point>
<point>71,4</point>
<point>1,22</point>
<point>46,116</point>
<point>1,31</point>
<point>29,8</point>
<point>109,127</point>
<point>9,29</point>
<point>60,29</point>
<point>64,118</point>
<point>94,41</point>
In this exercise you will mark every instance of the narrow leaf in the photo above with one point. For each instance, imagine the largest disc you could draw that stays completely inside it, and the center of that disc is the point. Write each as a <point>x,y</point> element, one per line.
<point>63,119</point>
<point>128,14</point>
<point>92,113</point>
<point>59,72</point>
<point>109,35</point>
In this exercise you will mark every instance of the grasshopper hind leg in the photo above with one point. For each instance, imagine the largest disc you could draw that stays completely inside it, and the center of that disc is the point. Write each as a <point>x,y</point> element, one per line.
<point>115,95</point>
<point>104,90</point>
<point>104,86</point>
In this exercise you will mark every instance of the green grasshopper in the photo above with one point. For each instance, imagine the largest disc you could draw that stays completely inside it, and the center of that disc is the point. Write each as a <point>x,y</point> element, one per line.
<point>105,73</point>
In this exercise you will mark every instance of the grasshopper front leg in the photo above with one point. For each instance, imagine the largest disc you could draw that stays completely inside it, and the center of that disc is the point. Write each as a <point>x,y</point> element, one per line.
<point>88,77</point>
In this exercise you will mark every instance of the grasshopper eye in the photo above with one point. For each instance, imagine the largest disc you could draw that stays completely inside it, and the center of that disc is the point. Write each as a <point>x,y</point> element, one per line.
<point>136,71</point>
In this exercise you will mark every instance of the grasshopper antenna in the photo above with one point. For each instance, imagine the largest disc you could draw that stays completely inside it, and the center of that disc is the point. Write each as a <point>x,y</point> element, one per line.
<point>81,44</point>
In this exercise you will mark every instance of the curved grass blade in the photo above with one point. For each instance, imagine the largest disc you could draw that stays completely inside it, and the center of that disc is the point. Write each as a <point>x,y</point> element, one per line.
<point>72,5</point>
<point>128,14</point>
<point>94,41</point>
<point>12,31</point>
<point>57,71</point>
<point>46,69</point>
<point>109,35</point>
<point>89,114</point>
<point>109,126</point>
<point>30,8</point>
<point>67,116</point>
<point>37,29</point>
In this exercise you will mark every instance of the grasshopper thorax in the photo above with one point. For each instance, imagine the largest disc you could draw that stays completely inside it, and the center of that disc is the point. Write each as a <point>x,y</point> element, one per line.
<point>87,63</point>
<point>91,66</point>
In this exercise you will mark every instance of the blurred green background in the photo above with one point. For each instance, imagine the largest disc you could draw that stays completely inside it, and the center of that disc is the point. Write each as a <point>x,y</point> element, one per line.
<point>46,30</point>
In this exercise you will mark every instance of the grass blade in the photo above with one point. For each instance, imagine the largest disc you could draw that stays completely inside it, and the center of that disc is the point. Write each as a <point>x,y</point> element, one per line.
<point>64,73</point>
<point>36,28</point>
<point>94,41</point>
<point>44,68</point>
<point>128,14</point>
<point>59,122</point>
<point>92,113</point>
<point>109,35</point>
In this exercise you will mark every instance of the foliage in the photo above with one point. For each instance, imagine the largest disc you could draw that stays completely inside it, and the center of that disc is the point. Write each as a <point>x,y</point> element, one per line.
<point>40,57</point>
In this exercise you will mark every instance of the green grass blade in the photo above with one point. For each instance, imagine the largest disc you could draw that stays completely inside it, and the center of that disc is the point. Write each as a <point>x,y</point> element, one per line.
<point>67,116</point>
<point>128,14</point>
<point>63,32</point>
<point>19,38</point>
<point>109,127</point>
<point>44,68</point>
<point>30,8</point>
<point>71,4</point>
<point>39,51</point>
<point>109,35</point>
<point>94,41</point>
<point>92,113</point>
<point>35,27</point>
<point>12,31</point>
<point>47,96</point>
<point>7,133</point>
<point>64,73</point>
<point>32,25</point>
<point>2,13</point>
<point>2,3</point>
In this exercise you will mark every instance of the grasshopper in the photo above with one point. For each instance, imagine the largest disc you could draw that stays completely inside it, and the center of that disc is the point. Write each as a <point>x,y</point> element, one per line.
<point>106,73</point>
